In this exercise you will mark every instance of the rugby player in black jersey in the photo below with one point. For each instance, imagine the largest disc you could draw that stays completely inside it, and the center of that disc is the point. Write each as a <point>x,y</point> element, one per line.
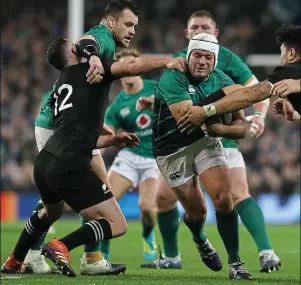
<point>62,169</point>
<point>289,38</point>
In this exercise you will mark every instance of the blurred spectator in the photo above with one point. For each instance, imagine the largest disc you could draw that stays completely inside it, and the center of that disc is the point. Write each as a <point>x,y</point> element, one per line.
<point>28,28</point>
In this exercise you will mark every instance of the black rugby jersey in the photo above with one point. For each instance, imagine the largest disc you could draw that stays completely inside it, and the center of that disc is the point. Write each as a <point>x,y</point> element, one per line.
<point>288,71</point>
<point>78,110</point>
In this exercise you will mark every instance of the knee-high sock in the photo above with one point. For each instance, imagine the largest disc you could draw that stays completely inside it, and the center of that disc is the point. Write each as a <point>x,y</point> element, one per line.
<point>168,223</point>
<point>252,218</point>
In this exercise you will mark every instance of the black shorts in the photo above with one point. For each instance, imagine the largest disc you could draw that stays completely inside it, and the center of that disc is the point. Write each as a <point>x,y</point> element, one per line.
<point>70,179</point>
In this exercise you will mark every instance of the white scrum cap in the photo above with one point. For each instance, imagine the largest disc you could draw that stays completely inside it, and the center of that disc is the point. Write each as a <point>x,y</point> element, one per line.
<point>206,42</point>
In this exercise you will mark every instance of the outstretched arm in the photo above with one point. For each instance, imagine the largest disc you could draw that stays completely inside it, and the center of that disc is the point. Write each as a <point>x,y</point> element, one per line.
<point>241,98</point>
<point>237,98</point>
<point>144,64</point>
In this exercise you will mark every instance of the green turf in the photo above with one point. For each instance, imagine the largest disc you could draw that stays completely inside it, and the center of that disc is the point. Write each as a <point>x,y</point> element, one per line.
<point>128,249</point>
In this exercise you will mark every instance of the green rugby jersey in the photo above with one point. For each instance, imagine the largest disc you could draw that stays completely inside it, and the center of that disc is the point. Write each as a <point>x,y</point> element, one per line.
<point>235,68</point>
<point>107,45</point>
<point>122,114</point>
<point>173,87</point>
<point>44,118</point>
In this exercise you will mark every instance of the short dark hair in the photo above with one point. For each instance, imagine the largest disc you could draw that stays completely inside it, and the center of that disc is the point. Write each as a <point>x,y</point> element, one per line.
<point>201,14</point>
<point>115,7</point>
<point>290,36</point>
<point>56,53</point>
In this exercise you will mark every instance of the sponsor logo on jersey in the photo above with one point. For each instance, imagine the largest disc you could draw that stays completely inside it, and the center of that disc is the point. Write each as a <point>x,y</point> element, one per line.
<point>143,121</point>
<point>191,89</point>
<point>125,112</point>
<point>174,176</point>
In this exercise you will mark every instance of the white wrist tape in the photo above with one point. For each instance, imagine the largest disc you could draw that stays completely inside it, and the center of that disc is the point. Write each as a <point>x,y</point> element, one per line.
<point>210,110</point>
<point>296,116</point>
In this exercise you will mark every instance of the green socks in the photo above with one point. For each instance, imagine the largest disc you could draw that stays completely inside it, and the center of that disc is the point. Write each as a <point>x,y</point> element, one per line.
<point>147,229</point>
<point>227,225</point>
<point>252,218</point>
<point>90,247</point>
<point>196,228</point>
<point>105,248</point>
<point>38,206</point>
<point>169,224</point>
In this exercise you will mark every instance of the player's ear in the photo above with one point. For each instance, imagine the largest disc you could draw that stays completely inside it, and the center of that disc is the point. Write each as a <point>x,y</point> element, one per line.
<point>186,33</point>
<point>111,22</point>
<point>216,33</point>
<point>292,54</point>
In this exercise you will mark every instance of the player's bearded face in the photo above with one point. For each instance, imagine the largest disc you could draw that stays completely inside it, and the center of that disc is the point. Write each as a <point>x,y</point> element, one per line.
<point>201,63</point>
<point>124,29</point>
<point>199,25</point>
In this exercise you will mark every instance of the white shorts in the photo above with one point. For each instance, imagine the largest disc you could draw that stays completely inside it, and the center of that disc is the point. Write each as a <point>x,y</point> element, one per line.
<point>42,136</point>
<point>234,158</point>
<point>134,167</point>
<point>179,167</point>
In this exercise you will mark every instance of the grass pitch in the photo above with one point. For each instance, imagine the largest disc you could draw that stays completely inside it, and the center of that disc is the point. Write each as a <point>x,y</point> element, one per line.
<point>128,250</point>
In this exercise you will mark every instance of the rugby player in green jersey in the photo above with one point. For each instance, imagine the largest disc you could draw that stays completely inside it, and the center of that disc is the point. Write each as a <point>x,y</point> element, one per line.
<point>248,209</point>
<point>185,160</point>
<point>135,166</point>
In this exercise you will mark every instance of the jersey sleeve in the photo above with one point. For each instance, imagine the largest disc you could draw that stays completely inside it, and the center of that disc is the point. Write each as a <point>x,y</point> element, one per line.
<point>238,70</point>
<point>171,87</point>
<point>105,43</point>
<point>277,75</point>
<point>46,98</point>
<point>111,116</point>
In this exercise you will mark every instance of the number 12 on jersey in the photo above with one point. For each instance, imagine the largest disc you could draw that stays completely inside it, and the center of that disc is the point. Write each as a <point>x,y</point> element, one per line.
<point>63,105</point>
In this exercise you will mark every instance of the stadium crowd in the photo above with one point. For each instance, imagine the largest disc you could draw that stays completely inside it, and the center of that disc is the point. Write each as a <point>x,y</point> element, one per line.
<point>27,32</point>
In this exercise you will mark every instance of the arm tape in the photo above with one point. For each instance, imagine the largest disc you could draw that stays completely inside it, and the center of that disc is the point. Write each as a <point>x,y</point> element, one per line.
<point>86,48</point>
<point>213,97</point>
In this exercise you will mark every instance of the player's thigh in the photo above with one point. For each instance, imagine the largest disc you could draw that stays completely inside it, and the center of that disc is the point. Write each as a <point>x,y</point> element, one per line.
<point>179,173</point>
<point>147,194</point>
<point>211,166</point>
<point>149,180</point>
<point>238,176</point>
<point>120,184</point>
<point>192,198</point>
<point>77,184</point>
<point>166,199</point>
<point>123,173</point>
<point>42,165</point>
<point>99,168</point>
<point>217,183</point>
<point>42,136</point>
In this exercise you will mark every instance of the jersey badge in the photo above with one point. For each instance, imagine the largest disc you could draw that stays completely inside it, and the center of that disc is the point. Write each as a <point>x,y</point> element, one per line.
<point>125,112</point>
<point>143,121</point>
<point>191,89</point>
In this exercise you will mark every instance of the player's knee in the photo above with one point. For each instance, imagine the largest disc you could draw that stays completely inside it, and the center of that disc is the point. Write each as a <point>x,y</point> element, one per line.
<point>165,202</point>
<point>146,206</point>
<point>119,227</point>
<point>196,213</point>
<point>223,202</point>
<point>239,193</point>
